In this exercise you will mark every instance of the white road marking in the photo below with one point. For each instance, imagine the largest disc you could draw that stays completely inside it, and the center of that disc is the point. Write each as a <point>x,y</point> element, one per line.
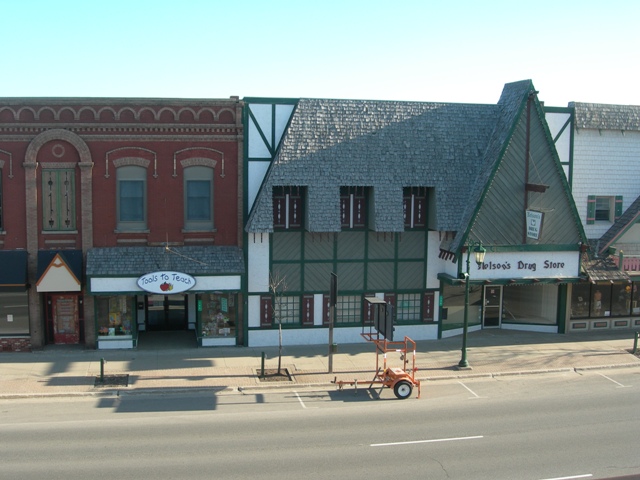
<point>300,400</point>
<point>612,380</point>
<point>425,441</point>
<point>470,391</point>
<point>569,478</point>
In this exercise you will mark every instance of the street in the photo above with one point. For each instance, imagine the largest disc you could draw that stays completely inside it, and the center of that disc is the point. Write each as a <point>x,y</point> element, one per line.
<point>566,425</point>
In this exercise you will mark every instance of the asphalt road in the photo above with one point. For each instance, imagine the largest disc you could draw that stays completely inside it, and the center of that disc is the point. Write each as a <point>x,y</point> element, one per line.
<point>528,427</point>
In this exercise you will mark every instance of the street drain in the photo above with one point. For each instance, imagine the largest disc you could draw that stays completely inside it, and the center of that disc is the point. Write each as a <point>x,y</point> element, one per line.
<point>112,381</point>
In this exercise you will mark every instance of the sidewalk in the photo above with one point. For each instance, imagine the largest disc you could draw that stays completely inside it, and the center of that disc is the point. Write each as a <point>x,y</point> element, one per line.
<point>73,371</point>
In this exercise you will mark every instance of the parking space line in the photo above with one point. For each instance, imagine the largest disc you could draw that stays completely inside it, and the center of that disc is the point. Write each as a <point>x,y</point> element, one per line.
<point>300,400</point>
<point>570,478</point>
<point>475,395</point>
<point>426,441</point>
<point>612,380</point>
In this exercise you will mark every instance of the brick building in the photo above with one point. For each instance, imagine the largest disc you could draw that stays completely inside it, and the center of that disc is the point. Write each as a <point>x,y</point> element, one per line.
<point>86,183</point>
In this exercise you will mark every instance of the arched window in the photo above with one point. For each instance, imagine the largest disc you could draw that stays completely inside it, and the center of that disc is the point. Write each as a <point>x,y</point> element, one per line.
<point>198,198</point>
<point>131,198</point>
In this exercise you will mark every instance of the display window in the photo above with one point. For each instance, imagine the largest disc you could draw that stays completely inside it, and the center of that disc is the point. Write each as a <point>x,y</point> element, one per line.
<point>453,306</point>
<point>217,315</point>
<point>14,313</point>
<point>605,300</point>
<point>115,315</point>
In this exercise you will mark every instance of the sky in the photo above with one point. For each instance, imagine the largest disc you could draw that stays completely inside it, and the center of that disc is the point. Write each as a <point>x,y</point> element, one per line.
<point>423,50</point>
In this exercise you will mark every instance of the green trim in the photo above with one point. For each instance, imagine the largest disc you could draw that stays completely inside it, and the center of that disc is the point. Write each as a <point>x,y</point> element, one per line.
<point>571,247</point>
<point>267,143</point>
<point>274,100</point>
<point>556,158</point>
<point>445,278</point>
<point>591,209</point>
<point>617,208</point>
<point>496,165</point>
<point>561,314</point>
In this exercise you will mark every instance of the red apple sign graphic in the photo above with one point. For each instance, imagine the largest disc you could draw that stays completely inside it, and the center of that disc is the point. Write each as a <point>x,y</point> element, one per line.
<point>166,287</point>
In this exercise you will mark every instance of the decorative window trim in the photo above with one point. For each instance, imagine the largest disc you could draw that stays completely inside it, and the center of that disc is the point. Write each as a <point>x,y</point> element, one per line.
<point>203,156</point>
<point>139,156</point>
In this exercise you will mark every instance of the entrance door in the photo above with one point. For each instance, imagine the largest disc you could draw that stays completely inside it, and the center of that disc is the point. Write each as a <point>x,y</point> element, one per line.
<point>492,312</point>
<point>64,313</point>
<point>166,312</point>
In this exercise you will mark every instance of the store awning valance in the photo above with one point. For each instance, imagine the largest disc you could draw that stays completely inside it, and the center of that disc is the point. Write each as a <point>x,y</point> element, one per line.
<point>602,270</point>
<point>59,271</point>
<point>13,270</point>
<point>450,280</point>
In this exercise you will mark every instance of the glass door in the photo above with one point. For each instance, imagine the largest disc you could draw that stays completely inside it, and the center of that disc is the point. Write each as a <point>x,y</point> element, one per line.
<point>166,312</point>
<point>492,312</point>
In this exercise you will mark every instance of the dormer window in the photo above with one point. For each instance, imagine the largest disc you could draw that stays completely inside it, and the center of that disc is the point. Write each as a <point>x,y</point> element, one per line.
<point>287,207</point>
<point>353,207</point>
<point>415,207</point>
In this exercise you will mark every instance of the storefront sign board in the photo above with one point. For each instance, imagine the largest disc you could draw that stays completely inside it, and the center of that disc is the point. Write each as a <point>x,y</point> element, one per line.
<point>166,283</point>
<point>507,265</point>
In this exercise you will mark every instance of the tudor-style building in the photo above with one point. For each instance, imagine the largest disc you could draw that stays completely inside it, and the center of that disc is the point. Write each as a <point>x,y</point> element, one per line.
<point>389,196</point>
<point>98,193</point>
<point>599,146</point>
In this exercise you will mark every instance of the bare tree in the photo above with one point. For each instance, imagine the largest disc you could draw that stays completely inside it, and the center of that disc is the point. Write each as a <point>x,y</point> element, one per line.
<point>278,287</point>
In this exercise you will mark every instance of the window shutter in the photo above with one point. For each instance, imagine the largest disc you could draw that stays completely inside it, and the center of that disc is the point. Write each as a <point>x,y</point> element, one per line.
<point>279,212</point>
<point>307,310</point>
<point>295,210</point>
<point>618,208</point>
<point>591,209</point>
<point>266,311</point>
<point>326,311</point>
<point>427,307</point>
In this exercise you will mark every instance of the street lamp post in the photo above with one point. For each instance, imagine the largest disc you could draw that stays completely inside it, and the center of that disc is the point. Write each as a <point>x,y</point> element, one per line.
<point>479,253</point>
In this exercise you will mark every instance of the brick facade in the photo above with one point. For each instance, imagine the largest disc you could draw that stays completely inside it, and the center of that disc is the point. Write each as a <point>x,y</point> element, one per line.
<point>92,138</point>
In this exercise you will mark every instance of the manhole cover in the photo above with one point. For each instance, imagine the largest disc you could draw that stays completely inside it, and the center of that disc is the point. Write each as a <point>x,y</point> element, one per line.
<point>112,381</point>
<point>272,375</point>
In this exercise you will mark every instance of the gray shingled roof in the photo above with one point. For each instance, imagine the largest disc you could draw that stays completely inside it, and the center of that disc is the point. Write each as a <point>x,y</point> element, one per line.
<point>389,145</point>
<point>603,270</point>
<point>137,261</point>
<point>606,117</point>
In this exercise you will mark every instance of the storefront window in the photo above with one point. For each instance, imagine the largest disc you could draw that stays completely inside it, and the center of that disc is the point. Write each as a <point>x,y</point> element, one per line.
<point>620,300</point>
<point>606,300</point>
<point>115,315</point>
<point>453,306</point>
<point>218,316</point>
<point>530,304</point>
<point>580,294</point>
<point>14,313</point>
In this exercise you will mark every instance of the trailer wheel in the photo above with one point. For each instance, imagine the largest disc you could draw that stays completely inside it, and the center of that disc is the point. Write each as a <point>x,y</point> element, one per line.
<point>403,389</point>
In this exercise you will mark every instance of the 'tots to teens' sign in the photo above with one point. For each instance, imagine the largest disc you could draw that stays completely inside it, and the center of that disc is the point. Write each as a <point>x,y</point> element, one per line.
<point>166,283</point>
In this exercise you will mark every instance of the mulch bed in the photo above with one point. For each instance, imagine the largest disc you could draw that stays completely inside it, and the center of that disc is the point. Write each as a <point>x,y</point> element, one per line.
<point>112,381</point>
<point>272,375</point>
